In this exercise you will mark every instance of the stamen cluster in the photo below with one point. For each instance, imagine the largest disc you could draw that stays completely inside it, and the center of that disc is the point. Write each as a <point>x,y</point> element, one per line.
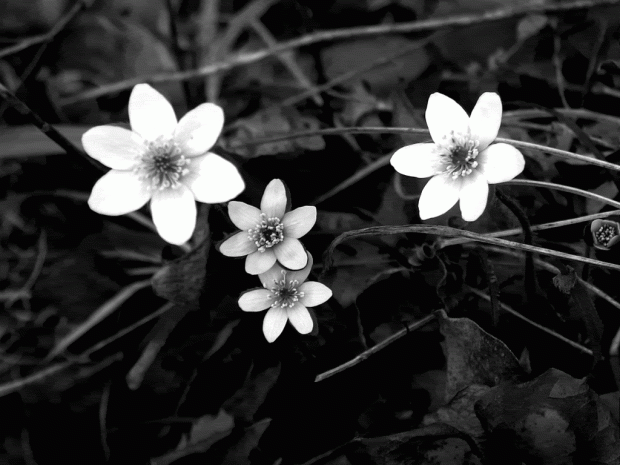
<point>267,233</point>
<point>285,294</point>
<point>458,153</point>
<point>605,233</point>
<point>162,165</point>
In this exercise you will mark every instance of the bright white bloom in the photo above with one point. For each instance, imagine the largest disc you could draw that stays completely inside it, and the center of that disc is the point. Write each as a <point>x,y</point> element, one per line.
<point>162,160</point>
<point>287,297</point>
<point>461,158</point>
<point>269,234</point>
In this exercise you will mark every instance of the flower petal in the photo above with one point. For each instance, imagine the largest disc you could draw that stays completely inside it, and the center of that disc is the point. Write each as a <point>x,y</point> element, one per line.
<point>242,215</point>
<point>255,300</point>
<point>301,275</point>
<point>117,193</point>
<point>238,245</point>
<point>417,160</point>
<point>150,114</point>
<point>500,163</point>
<point>314,293</point>
<point>444,115</point>
<point>117,148</point>
<point>272,274</point>
<point>198,130</point>
<point>300,318</point>
<point>273,203</point>
<point>439,195</point>
<point>174,214</point>
<point>213,179</point>
<point>298,222</point>
<point>485,119</point>
<point>474,192</point>
<point>291,253</point>
<point>274,323</point>
<point>259,262</point>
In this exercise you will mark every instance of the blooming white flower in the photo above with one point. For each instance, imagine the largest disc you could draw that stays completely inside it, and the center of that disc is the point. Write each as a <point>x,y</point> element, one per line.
<point>162,160</point>
<point>461,158</point>
<point>269,234</point>
<point>287,296</point>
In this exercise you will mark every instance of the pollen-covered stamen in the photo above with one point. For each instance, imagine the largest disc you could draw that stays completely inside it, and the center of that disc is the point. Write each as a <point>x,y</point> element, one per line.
<point>267,233</point>
<point>284,293</point>
<point>162,165</point>
<point>605,233</point>
<point>458,153</point>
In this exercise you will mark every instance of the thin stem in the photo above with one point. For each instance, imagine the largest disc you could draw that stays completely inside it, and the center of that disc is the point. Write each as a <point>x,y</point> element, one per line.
<point>529,277</point>
<point>374,349</point>
<point>347,33</point>
<point>531,322</point>
<point>396,130</point>
<point>561,187</point>
<point>538,227</point>
<point>46,128</point>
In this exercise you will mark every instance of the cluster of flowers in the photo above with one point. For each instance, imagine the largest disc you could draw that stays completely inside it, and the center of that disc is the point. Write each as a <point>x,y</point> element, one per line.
<point>168,162</point>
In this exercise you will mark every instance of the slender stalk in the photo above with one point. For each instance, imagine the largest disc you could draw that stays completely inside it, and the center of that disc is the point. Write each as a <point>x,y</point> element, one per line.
<point>529,276</point>
<point>561,187</point>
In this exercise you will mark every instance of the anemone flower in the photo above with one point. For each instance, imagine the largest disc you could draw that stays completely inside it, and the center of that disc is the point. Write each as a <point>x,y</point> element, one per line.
<point>269,234</point>
<point>161,160</point>
<point>462,159</point>
<point>288,296</point>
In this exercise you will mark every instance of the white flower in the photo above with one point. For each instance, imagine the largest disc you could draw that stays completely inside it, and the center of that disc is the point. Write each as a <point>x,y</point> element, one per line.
<point>605,233</point>
<point>461,158</point>
<point>162,160</point>
<point>269,234</point>
<point>287,297</point>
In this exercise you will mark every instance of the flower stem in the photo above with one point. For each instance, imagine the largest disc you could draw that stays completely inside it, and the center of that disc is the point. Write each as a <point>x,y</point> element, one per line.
<point>529,276</point>
<point>561,187</point>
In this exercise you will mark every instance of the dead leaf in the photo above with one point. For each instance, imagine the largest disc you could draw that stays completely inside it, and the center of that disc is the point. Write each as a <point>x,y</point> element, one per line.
<point>474,356</point>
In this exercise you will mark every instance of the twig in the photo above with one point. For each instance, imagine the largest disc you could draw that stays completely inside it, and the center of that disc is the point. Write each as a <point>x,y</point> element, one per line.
<point>374,349</point>
<point>447,231</point>
<point>97,316</point>
<point>348,33</point>
<point>561,187</point>
<point>288,60</point>
<point>47,129</point>
<point>46,37</point>
<point>539,227</point>
<point>533,323</point>
<point>179,53</point>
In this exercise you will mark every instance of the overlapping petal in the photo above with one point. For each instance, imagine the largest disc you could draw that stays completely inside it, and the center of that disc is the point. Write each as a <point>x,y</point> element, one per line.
<point>174,214</point>
<point>274,323</point>
<point>213,179</point>
<point>444,115</point>
<point>255,300</point>
<point>242,215</point>
<point>118,192</point>
<point>298,222</point>
<point>474,192</point>
<point>199,129</point>
<point>439,195</point>
<point>301,275</point>
<point>417,160</point>
<point>314,293</point>
<point>117,148</point>
<point>238,245</point>
<point>259,262</point>
<point>485,119</point>
<point>273,203</point>
<point>291,253</point>
<point>500,163</point>
<point>300,318</point>
<point>150,114</point>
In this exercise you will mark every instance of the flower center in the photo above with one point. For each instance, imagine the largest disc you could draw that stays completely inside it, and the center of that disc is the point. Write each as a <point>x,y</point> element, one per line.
<point>267,233</point>
<point>459,152</point>
<point>284,293</point>
<point>162,165</point>
<point>605,233</point>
